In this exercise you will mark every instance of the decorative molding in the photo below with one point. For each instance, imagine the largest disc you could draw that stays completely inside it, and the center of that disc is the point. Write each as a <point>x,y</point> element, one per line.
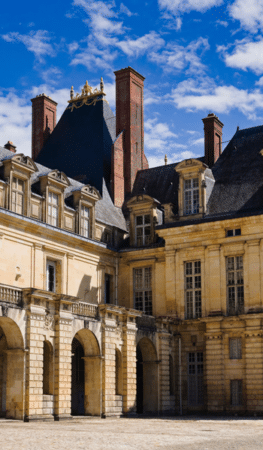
<point>49,322</point>
<point>88,96</point>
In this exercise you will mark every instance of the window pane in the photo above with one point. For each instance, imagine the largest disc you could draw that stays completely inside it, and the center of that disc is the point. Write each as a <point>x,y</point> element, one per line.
<point>143,289</point>
<point>139,220</point>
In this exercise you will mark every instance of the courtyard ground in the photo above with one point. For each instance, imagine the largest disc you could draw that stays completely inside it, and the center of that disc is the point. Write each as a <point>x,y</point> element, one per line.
<point>191,433</point>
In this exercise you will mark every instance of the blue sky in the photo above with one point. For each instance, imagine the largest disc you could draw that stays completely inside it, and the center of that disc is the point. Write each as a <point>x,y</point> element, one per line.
<point>198,56</point>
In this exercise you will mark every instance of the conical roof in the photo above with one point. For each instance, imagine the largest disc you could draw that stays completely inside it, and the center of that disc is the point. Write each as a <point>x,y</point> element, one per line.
<point>80,144</point>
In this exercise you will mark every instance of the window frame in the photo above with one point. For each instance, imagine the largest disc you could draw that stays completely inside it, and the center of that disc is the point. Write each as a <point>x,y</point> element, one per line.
<point>238,394</point>
<point>235,348</point>
<point>145,239</point>
<point>53,264</point>
<point>193,289</point>
<point>17,192</point>
<point>84,219</point>
<point>53,208</point>
<point>193,190</point>
<point>145,290</point>
<point>235,289</point>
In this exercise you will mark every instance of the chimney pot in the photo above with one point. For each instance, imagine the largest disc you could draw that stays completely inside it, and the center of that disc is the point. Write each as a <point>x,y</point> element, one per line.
<point>213,138</point>
<point>10,146</point>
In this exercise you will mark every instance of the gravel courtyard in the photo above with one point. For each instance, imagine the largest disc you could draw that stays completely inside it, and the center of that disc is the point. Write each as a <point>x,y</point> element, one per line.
<point>189,433</point>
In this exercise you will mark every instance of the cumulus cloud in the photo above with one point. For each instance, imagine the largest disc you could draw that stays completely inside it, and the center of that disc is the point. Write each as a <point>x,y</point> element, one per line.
<point>249,13</point>
<point>93,56</point>
<point>192,95</point>
<point>137,47</point>
<point>37,42</point>
<point>182,6</point>
<point>246,55</point>
<point>158,138</point>
<point>177,57</point>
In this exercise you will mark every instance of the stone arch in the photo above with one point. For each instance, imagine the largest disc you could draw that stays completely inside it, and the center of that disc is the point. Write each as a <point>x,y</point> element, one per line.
<point>11,370</point>
<point>147,377</point>
<point>86,374</point>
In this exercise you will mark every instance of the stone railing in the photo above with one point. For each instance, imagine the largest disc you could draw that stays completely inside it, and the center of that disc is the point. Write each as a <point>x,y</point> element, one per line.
<point>85,309</point>
<point>10,295</point>
<point>146,322</point>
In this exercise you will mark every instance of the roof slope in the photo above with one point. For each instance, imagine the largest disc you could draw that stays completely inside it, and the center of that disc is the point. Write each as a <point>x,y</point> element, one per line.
<point>80,144</point>
<point>239,175</point>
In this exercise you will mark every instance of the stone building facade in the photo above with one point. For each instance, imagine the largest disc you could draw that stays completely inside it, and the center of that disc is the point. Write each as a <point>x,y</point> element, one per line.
<point>125,289</point>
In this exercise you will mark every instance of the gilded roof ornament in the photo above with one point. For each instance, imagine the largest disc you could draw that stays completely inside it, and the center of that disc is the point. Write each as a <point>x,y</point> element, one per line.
<point>88,96</point>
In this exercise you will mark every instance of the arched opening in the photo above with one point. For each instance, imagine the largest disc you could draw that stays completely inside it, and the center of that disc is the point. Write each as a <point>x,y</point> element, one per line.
<point>85,381</point>
<point>48,378</point>
<point>147,377</point>
<point>118,373</point>
<point>11,370</point>
<point>77,379</point>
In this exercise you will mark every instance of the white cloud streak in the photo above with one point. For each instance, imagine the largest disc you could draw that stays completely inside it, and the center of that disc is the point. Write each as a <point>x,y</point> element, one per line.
<point>37,42</point>
<point>182,6</point>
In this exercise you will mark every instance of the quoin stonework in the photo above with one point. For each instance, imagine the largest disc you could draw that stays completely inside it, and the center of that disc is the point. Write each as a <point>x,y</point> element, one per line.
<point>127,290</point>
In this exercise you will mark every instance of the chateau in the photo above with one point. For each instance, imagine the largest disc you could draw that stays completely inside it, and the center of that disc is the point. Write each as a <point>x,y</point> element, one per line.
<point>125,289</point>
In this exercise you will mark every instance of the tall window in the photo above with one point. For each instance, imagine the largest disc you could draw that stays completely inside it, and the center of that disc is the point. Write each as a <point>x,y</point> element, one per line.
<point>85,221</point>
<point>235,285</point>
<point>143,289</point>
<point>236,392</point>
<point>17,195</point>
<point>195,378</point>
<point>235,348</point>
<point>51,276</point>
<point>52,214</point>
<point>193,289</point>
<point>191,196</point>
<point>143,230</point>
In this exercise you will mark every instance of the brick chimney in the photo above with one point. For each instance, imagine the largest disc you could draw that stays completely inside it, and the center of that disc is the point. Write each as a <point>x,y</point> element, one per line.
<point>213,138</point>
<point>44,111</point>
<point>129,119</point>
<point>10,146</point>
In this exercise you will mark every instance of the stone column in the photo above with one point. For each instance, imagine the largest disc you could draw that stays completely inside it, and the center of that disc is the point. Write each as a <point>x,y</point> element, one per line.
<point>164,373</point>
<point>129,367</point>
<point>108,368</point>
<point>214,364</point>
<point>62,388</point>
<point>34,363</point>
<point>253,386</point>
<point>15,384</point>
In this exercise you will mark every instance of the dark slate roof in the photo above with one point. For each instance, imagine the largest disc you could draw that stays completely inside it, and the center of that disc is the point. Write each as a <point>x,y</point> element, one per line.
<point>80,144</point>
<point>162,183</point>
<point>239,175</point>
<point>105,211</point>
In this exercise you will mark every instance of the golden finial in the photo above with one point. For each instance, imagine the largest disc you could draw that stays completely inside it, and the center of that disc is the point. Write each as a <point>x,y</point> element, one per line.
<point>165,159</point>
<point>101,84</point>
<point>71,92</point>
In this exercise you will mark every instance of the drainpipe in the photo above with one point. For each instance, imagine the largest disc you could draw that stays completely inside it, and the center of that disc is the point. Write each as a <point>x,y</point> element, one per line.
<point>116,281</point>
<point>180,375</point>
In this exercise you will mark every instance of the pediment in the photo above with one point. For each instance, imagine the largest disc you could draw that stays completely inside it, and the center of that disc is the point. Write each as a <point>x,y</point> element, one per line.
<point>59,176</point>
<point>91,191</point>
<point>20,158</point>
<point>190,164</point>
<point>143,198</point>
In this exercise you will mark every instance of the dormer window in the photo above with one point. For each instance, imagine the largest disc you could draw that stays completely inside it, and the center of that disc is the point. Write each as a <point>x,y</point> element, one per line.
<point>18,189</point>
<point>53,213</point>
<point>143,230</point>
<point>191,196</point>
<point>85,221</point>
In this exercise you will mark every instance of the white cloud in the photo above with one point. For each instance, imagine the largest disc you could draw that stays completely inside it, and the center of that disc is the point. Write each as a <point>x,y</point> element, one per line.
<point>181,6</point>
<point>136,47</point>
<point>51,75</point>
<point>224,23</point>
<point>37,42</point>
<point>176,57</point>
<point>249,13</point>
<point>159,138</point>
<point>198,142</point>
<point>205,96</point>
<point>246,55</point>
<point>125,10</point>
<point>73,46</point>
<point>93,56</point>
<point>259,82</point>
<point>97,7</point>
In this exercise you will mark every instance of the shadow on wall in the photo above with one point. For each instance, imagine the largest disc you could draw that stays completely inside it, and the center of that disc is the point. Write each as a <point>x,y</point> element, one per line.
<point>87,293</point>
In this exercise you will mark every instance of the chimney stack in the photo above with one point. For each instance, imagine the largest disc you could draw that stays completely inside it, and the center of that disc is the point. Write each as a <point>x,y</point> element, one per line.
<point>44,111</point>
<point>10,146</point>
<point>213,138</point>
<point>129,119</point>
